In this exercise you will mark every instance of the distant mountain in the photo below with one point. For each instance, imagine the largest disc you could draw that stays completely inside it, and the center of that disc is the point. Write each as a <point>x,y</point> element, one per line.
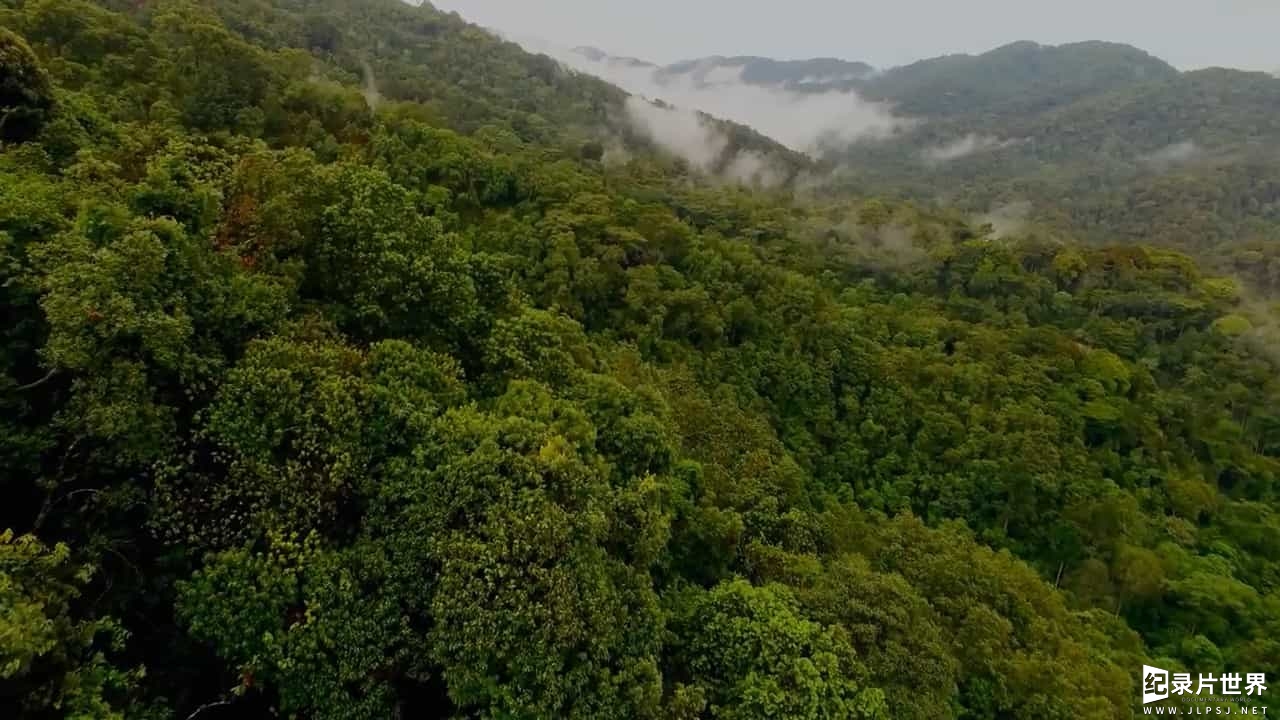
<point>1192,159</point>
<point>818,73</point>
<point>1102,140</point>
<point>1015,79</point>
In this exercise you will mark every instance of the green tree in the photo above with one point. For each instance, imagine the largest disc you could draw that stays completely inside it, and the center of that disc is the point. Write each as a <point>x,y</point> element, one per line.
<point>52,663</point>
<point>754,655</point>
<point>26,95</point>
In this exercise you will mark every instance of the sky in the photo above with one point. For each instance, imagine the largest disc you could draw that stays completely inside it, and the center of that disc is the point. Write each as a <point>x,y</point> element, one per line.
<point>1187,33</point>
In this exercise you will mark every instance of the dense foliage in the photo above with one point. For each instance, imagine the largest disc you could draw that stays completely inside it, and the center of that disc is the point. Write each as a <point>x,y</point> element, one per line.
<point>339,381</point>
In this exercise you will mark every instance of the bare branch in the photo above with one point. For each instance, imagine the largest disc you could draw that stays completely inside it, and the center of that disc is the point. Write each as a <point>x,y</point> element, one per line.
<point>38,383</point>
<point>208,706</point>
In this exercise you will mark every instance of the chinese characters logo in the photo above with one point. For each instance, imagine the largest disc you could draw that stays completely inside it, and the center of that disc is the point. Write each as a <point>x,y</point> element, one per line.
<point>1159,684</point>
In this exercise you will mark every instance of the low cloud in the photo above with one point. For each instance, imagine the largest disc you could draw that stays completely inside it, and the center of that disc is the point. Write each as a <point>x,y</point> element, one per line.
<point>803,121</point>
<point>1173,155</point>
<point>702,143</point>
<point>834,79</point>
<point>721,75</point>
<point>1008,219</point>
<point>755,169</point>
<point>615,153</point>
<point>892,248</point>
<point>679,131</point>
<point>962,147</point>
<point>370,90</point>
<point>887,248</point>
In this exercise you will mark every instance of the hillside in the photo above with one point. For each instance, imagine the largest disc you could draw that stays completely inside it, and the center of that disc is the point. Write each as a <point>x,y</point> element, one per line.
<point>349,371</point>
<point>1014,81</point>
<point>1192,162</point>
<point>1094,140</point>
<point>1008,82</point>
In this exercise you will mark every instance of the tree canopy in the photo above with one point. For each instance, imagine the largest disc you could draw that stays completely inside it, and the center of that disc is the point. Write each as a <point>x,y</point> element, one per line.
<point>339,380</point>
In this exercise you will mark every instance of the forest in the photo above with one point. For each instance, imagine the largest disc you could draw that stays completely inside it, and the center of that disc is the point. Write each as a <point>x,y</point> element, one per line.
<point>344,376</point>
<point>1097,142</point>
<point>1100,141</point>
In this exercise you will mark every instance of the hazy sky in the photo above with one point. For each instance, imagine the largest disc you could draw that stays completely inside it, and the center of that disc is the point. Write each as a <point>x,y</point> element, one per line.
<point>1187,33</point>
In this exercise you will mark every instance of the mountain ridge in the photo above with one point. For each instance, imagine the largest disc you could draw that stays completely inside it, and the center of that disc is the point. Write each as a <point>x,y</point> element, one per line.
<point>1084,134</point>
<point>864,69</point>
